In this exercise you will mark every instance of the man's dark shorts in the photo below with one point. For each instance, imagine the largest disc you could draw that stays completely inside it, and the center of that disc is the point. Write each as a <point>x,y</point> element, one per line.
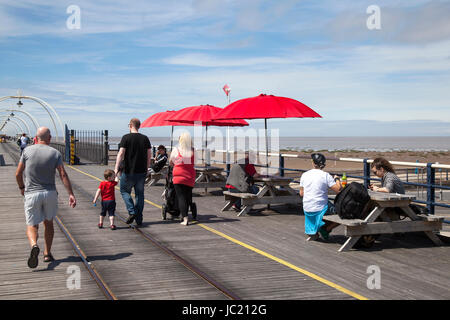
<point>108,206</point>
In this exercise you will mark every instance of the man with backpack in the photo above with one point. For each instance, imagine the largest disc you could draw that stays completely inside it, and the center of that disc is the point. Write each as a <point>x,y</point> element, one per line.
<point>314,186</point>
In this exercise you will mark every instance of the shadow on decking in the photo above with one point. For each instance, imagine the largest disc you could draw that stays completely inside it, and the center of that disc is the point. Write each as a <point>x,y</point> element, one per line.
<point>413,240</point>
<point>72,259</point>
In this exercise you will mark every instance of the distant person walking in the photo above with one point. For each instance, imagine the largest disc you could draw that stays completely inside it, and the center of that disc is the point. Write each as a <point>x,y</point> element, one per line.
<point>182,160</point>
<point>39,163</point>
<point>24,141</point>
<point>314,185</point>
<point>135,152</point>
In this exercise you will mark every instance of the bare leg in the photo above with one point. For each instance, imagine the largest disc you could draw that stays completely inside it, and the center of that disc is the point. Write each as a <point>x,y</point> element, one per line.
<point>101,220</point>
<point>111,220</point>
<point>48,234</point>
<point>32,234</point>
<point>330,226</point>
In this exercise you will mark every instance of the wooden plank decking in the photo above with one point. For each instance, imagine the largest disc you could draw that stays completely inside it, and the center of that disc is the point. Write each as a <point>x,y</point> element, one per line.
<point>223,246</point>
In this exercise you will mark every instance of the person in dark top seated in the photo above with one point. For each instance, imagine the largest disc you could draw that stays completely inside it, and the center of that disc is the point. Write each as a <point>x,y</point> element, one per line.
<point>390,183</point>
<point>160,160</point>
<point>250,172</point>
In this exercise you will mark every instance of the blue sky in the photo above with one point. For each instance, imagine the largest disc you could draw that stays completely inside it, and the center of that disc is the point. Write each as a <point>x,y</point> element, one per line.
<point>135,58</point>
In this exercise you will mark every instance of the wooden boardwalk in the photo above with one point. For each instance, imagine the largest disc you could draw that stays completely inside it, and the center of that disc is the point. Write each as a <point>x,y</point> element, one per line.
<point>260,256</point>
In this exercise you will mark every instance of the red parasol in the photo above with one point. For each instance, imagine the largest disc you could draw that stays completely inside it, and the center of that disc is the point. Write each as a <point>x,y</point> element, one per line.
<point>159,120</point>
<point>205,114</point>
<point>266,107</point>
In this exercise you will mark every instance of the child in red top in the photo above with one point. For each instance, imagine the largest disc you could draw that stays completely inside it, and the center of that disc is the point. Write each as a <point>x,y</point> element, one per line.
<point>106,190</point>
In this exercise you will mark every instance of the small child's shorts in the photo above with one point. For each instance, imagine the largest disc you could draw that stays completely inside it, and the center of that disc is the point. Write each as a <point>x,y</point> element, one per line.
<point>108,206</point>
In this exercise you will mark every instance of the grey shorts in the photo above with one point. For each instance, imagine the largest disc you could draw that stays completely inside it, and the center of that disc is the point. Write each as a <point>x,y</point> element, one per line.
<point>40,206</point>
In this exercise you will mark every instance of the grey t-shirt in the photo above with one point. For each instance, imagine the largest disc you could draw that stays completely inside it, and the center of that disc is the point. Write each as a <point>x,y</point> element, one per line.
<point>40,163</point>
<point>391,182</point>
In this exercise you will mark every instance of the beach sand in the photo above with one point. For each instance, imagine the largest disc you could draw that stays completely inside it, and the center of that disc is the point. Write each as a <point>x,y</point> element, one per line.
<point>304,162</point>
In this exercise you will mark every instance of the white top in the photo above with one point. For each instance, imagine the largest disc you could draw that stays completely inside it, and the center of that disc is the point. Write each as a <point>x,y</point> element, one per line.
<point>315,185</point>
<point>23,141</point>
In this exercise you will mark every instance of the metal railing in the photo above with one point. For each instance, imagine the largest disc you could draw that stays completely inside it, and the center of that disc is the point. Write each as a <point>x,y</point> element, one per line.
<point>90,145</point>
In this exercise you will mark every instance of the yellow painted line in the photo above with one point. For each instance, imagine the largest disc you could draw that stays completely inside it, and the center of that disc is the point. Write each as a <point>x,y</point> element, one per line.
<point>98,179</point>
<point>287,264</point>
<point>265,254</point>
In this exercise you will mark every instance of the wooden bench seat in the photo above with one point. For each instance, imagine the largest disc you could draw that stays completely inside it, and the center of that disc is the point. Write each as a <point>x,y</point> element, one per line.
<point>242,195</point>
<point>346,222</point>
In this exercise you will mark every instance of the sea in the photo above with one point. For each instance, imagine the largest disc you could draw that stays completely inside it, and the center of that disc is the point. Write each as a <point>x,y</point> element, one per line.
<point>334,144</point>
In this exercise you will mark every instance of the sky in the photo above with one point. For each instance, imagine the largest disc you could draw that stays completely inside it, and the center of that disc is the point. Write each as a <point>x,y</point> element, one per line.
<point>135,58</point>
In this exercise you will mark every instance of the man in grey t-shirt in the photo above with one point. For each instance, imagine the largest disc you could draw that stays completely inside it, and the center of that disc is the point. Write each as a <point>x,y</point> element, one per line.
<point>39,164</point>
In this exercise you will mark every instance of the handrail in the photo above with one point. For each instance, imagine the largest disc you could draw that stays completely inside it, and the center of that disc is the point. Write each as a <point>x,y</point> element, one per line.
<point>398,163</point>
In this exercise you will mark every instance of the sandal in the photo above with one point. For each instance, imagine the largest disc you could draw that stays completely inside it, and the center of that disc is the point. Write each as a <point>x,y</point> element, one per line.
<point>33,259</point>
<point>48,258</point>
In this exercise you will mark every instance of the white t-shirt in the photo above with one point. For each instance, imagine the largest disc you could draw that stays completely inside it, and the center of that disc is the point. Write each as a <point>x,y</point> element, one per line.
<point>23,141</point>
<point>315,185</point>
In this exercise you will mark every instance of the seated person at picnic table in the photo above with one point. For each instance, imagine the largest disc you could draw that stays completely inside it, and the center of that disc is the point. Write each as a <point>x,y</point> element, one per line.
<point>160,160</point>
<point>389,181</point>
<point>314,185</point>
<point>250,172</point>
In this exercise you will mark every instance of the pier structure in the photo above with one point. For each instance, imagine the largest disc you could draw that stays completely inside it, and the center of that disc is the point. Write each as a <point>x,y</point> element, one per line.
<point>263,255</point>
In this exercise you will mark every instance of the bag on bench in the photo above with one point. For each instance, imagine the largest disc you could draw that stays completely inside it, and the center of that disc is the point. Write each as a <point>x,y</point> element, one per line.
<point>350,202</point>
<point>239,179</point>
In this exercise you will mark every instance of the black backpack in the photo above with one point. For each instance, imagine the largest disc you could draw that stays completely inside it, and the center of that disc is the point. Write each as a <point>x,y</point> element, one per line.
<point>350,202</point>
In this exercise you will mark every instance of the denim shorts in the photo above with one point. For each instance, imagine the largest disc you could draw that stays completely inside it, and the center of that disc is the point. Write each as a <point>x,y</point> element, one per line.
<point>108,206</point>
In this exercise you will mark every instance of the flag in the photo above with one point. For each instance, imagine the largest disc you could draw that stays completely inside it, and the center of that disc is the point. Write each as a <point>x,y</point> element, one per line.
<point>226,89</point>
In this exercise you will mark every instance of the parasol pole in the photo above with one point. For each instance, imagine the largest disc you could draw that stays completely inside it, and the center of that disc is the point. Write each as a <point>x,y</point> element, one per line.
<point>206,147</point>
<point>228,136</point>
<point>171,139</point>
<point>267,147</point>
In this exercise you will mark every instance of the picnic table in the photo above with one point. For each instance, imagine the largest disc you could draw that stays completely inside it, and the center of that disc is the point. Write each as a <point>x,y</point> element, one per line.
<point>209,177</point>
<point>275,190</point>
<point>153,178</point>
<point>390,224</point>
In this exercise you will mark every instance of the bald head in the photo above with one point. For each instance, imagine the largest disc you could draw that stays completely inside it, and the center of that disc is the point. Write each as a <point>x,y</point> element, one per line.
<point>43,135</point>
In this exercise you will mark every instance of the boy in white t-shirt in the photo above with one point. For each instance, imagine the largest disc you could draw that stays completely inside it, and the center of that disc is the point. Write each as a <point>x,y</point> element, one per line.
<point>314,185</point>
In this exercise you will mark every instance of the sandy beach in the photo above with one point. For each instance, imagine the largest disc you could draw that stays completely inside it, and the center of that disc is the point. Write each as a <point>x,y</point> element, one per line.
<point>304,162</point>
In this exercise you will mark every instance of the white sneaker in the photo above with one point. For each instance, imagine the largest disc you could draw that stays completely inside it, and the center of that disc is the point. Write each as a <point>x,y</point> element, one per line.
<point>185,221</point>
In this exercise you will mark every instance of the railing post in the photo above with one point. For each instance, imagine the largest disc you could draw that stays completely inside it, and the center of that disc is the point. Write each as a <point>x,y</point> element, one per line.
<point>72,147</point>
<point>281,165</point>
<point>106,149</point>
<point>430,189</point>
<point>67,147</point>
<point>228,162</point>
<point>366,173</point>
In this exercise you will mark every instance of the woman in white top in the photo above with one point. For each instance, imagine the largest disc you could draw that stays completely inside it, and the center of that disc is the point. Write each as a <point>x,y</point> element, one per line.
<point>314,185</point>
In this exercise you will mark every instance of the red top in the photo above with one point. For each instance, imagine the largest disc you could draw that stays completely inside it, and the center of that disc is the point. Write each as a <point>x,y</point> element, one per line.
<point>249,169</point>
<point>107,190</point>
<point>183,170</point>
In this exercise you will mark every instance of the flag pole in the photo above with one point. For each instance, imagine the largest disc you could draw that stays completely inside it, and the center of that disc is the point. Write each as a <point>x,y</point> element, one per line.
<point>228,136</point>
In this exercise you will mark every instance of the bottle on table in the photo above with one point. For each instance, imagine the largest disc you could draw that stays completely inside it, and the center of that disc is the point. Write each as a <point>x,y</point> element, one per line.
<point>344,180</point>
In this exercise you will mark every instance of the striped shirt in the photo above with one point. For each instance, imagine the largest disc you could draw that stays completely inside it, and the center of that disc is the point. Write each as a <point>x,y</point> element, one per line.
<point>391,182</point>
